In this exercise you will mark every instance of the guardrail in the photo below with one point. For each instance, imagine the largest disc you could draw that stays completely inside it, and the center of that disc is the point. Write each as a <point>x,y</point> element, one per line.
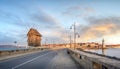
<point>90,60</point>
<point>12,52</point>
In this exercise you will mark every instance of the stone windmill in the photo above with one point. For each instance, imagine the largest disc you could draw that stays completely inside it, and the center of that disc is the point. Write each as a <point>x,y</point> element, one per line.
<point>34,38</point>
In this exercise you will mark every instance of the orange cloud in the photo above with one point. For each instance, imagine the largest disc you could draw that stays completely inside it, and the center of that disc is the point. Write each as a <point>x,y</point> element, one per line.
<point>99,29</point>
<point>104,27</point>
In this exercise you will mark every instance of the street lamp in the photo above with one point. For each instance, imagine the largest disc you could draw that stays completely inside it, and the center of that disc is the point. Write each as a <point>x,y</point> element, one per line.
<point>74,27</point>
<point>103,46</point>
<point>16,44</point>
<point>70,40</point>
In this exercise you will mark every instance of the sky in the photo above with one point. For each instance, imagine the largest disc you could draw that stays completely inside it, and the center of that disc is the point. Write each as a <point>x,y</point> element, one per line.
<point>94,19</point>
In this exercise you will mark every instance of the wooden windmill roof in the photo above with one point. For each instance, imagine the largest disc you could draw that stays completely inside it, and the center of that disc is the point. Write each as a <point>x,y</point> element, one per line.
<point>33,31</point>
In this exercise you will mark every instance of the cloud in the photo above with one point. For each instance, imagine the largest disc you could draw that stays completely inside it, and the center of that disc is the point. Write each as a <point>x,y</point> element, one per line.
<point>99,28</point>
<point>89,9</point>
<point>78,11</point>
<point>12,18</point>
<point>11,35</point>
<point>48,26</point>
<point>6,39</point>
<point>45,23</point>
<point>13,28</point>
<point>44,19</point>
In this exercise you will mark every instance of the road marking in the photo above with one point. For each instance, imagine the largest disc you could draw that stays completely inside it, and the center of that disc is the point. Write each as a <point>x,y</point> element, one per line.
<point>14,57</point>
<point>29,61</point>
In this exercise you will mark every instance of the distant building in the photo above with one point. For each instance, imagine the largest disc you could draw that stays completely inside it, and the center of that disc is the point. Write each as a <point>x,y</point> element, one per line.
<point>34,37</point>
<point>90,45</point>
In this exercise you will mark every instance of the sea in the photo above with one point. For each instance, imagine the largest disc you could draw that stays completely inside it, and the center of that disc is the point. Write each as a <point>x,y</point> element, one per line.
<point>114,52</point>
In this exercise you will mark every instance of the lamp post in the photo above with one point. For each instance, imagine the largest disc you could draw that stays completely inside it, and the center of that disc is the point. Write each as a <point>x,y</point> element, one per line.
<point>103,46</point>
<point>70,40</point>
<point>16,44</point>
<point>74,27</point>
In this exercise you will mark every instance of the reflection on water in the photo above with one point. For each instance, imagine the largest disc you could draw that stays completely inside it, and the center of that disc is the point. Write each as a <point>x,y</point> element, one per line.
<point>111,51</point>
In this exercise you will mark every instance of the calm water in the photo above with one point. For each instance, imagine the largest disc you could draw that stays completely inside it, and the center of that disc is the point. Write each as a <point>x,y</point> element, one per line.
<point>111,51</point>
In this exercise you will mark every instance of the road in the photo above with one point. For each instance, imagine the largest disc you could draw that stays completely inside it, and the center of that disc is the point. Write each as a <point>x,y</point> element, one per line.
<point>48,59</point>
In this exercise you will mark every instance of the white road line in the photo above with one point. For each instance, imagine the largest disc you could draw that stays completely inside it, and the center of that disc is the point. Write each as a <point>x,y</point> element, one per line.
<point>19,56</point>
<point>29,61</point>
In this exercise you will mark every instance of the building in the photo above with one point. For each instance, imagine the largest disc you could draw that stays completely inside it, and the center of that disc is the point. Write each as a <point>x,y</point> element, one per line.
<point>34,38</point>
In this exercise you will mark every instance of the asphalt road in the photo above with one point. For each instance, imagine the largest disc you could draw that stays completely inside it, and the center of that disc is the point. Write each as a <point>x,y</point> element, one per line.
<point>40,60</point>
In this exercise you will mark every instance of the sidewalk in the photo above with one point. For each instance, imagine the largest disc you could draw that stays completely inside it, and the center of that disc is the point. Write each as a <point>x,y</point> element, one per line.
<point>62,61</point>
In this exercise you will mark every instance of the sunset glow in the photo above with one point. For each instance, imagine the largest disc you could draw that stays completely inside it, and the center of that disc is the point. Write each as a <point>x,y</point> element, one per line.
<point>95,20</point>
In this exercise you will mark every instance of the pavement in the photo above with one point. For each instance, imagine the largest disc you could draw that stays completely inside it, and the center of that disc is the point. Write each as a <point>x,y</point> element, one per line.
<point>63,61</point>
<point>48,59</point>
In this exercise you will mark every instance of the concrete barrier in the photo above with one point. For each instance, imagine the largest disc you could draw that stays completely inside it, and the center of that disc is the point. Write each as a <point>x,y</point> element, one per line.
<point>90,60</point>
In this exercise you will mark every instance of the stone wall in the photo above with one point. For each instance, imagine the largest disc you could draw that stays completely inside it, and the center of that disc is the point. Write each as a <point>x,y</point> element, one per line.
<point>34,37</point>
<point>94,61</point>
